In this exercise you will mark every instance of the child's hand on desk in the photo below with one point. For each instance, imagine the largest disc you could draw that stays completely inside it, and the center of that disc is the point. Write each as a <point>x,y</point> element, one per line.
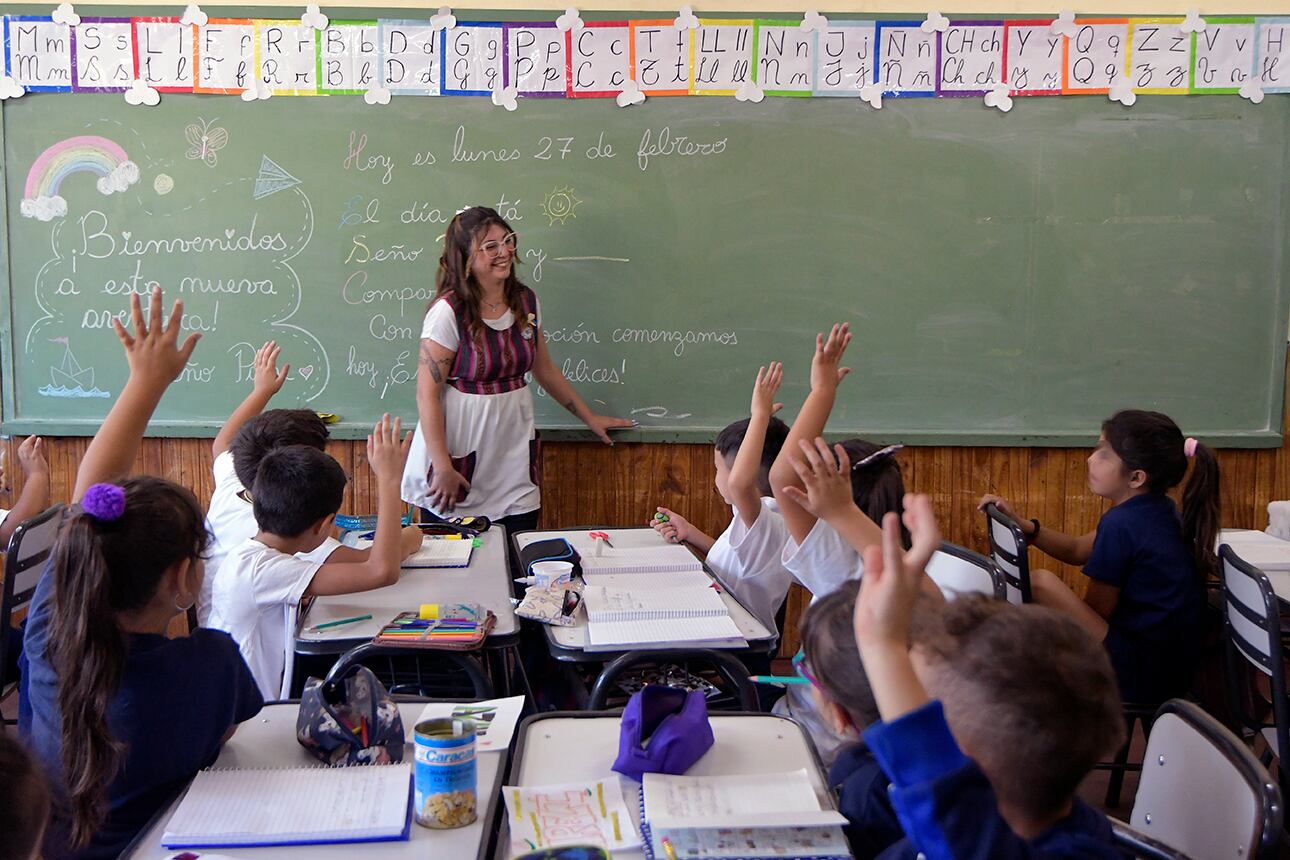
<point>385,453</point>
<point>153,351</point>
<point>825,373</point>
<point>675,529</point>
<point>410,541</point>
<point>763,397</point>
<point>826,475</point>
<point>268,379</point>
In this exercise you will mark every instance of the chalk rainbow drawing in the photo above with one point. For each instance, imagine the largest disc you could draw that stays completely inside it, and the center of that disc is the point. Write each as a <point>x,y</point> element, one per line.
<point>82,154</point>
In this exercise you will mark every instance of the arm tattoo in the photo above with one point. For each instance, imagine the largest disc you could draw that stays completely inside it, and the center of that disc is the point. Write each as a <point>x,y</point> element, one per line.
<point>428,359</point>
<point>434,372</point>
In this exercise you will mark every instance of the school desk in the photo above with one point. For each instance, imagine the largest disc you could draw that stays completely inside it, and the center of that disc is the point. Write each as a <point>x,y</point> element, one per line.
<point>566,747</point>
<point>486,581</point>
<point>268,740</point>
<point>1269,554</point>
<point>569,644</point>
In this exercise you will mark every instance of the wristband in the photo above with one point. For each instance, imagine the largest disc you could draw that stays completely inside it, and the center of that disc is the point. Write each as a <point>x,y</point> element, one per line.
<point>1036,534</point>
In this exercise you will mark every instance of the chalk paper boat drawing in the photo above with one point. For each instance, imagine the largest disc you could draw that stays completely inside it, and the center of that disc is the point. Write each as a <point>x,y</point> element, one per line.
<point>69,379</point>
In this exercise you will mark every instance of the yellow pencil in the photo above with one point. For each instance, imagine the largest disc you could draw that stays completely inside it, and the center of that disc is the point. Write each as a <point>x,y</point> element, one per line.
<point>600,796</point>
<point>668,849</point>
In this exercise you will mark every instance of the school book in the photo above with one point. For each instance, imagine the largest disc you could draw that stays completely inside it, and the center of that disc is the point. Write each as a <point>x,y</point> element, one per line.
<point>227,808</point>
<point>671,558</point>
<point>741,817</point>
<point>455,627</point>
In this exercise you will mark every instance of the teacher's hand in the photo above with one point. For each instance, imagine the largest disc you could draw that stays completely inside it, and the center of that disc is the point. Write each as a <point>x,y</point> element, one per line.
<point>445,486</point>
<point>602,424</point>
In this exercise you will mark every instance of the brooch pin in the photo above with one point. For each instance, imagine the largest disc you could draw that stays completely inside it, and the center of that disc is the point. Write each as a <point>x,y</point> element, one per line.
<point>527,334</point>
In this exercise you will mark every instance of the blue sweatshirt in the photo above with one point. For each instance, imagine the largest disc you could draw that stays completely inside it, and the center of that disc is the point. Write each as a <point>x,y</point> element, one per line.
<point>950,812</point>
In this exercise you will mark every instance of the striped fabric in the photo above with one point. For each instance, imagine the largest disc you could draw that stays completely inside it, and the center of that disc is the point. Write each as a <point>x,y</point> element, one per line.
<point>498,364</point>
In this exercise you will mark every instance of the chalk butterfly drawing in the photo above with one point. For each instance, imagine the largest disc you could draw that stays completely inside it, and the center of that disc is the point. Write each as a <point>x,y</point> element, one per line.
<point>205,141</point>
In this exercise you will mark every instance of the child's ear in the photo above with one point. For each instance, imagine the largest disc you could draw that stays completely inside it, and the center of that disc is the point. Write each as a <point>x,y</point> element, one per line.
<point>1137,479</point>
<point>187,578</point>
<point>323,526</point>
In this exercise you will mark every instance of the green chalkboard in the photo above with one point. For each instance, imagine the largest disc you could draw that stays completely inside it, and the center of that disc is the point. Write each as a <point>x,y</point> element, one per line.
<point>1012,279</point>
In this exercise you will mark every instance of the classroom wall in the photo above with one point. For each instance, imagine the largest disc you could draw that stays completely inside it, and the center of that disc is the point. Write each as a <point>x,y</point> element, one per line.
<point>590,484</point>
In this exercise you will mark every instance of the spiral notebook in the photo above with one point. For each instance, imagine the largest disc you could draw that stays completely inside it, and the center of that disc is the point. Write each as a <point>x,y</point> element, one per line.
<point>743,817</point>
<point>672,558</point>
<point>646,616</point>
<point>227,808</point>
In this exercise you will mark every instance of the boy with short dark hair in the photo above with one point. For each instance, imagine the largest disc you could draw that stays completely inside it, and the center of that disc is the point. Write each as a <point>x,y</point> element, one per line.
<point>298,490</point>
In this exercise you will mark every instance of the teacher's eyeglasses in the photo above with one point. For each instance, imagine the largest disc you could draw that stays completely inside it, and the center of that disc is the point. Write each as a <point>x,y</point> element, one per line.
<point>493,247</point>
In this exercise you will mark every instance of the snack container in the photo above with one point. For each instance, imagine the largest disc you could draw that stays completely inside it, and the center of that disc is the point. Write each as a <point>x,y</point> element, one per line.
<point>444,773</point>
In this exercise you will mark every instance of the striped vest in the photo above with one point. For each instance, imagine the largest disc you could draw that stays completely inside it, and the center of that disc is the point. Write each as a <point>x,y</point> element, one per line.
<point>497,362</point>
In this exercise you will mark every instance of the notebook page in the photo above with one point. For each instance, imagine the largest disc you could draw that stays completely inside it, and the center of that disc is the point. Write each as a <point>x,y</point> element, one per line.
<point>652,559</point>
<point>252,807</point>
<point>658,581</point>
<point>441,553</point>
<point>764,800</point>
<point>620,604</point>
<point>632,633</point>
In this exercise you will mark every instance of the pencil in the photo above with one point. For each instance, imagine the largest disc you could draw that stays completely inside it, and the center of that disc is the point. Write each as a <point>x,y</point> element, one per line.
<point>668,849</point>
<point>339,622</point>
<point>782,680</point>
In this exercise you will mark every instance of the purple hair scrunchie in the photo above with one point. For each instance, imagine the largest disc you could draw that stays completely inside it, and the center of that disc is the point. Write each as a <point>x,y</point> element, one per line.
<point>104,502</point>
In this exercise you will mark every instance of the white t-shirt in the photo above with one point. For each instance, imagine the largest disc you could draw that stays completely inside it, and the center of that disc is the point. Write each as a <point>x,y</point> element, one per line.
<point>440,324</point>
<point>254,600</point>
<point>823,561</point>
<point>749,562</point>
<point>231,522</point>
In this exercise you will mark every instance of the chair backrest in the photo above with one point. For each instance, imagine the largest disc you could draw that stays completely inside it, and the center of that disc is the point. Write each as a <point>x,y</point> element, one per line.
<point>29,549</point>
<point>734,673</point>
<point>1009,549</point>
<point>1202,791</point>
<point>428,672</point>
<point>958,570</point>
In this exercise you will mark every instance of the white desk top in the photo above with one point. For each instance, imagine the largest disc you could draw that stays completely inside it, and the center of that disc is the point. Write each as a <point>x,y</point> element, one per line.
<point>560,749</point>
<point>1269,554</point>
<point>575,637</point>
<point>269,740</point>
<point>486,581</point>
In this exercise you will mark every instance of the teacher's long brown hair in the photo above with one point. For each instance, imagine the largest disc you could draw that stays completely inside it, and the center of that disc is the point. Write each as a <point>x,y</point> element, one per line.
<point>454,276</point>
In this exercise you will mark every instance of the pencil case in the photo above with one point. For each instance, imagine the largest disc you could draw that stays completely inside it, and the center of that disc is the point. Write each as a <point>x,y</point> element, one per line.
<point>350,719</point>
<point>554,549</point>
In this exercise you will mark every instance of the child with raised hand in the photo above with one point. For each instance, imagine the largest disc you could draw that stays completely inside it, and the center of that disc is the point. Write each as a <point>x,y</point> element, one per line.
<point>831,662</point>
<point>1146,565</point>
<point>815,553</point>
<point>119,715</point>
<point>1026,705</point>
<point>246,437</point>
<point>34,497</point>
<point>746,557</point>
<point>297,492</point>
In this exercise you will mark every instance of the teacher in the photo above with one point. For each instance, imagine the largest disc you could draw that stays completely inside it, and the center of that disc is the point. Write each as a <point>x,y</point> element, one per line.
<point>475,451</point>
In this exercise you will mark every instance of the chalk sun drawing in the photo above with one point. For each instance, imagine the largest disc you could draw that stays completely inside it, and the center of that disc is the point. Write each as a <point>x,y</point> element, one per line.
<point>69,378</point>
<point>86,153</point>
<point>558,206</point>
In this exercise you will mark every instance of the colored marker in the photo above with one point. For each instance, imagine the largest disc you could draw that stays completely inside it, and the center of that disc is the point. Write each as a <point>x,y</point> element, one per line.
<point>781,680</point>
<point>338,623</point>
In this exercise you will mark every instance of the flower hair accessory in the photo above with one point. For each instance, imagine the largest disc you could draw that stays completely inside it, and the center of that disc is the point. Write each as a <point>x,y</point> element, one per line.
<point>104,502</point>
<point>1189,447</point>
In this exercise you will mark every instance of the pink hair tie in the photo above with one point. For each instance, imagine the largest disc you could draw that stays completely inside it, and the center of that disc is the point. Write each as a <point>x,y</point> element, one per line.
<point>1189,447</point>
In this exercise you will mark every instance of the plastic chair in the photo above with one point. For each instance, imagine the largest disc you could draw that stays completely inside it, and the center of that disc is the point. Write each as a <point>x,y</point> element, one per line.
<point>1009,549</point>
<point>1203,792</point>
<point>29,549</point>
<point>958,570</point>
<point>1253,645</point>
<point>731,670</point>
<point>422,671</point>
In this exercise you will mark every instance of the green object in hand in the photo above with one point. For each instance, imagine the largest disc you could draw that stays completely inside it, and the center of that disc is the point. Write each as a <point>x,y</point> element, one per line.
<point>662,518</point>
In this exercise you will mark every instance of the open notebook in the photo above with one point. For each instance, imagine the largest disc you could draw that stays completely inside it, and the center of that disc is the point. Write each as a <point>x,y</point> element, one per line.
<point>645,616</point>
<point>293,806</point>
<point>435,551</point>
<point>744,817</point>
<point>672,558</point>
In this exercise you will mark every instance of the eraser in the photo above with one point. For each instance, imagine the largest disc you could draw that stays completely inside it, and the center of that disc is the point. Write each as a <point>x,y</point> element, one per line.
<point>429,611</point>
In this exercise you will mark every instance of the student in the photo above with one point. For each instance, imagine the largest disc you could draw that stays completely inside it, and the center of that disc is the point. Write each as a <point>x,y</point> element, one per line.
<point>1027,705</point>
<point>830,661</point>
<point>746,558</point>
<point>1146,565</point>
<point>247,435</point>
<point>34,497</point>
<point>298,491</point>
<point>25,812</point>
<point>815,554</point>
<point>119,715</point>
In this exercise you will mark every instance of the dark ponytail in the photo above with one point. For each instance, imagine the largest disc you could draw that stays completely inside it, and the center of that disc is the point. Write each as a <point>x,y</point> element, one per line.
<point>877,487</point>
<point>1152,442</point>
<point>102,569</point>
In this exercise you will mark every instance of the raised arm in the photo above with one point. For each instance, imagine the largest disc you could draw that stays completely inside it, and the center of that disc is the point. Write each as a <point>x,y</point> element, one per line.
<point>745,474</point>
<point>553,383</point>
<point>34,497</point>
<point>268,381</point>
<point>825,376</point>
<point>1072,549</point>
<point>156,359</point>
